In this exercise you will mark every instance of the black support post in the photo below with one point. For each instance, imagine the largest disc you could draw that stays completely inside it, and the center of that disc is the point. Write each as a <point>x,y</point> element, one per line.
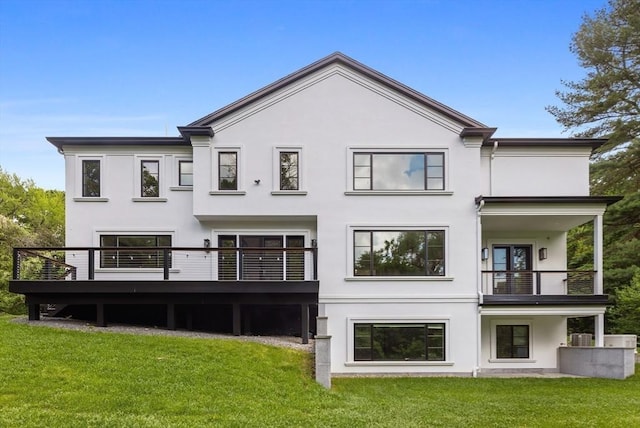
<point>16,264</point>
<point>237,330</point>
<point>165,263</point>
<point>171,316</point>
<point>304,322</point>
<point>92,262</point>
<point>34,312</point>
<point>101,320</point>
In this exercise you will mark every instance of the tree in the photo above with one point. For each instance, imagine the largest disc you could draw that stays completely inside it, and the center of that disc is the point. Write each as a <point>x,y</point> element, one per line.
<point>626,314</point>
<point>606,103</point>
<point>29,216</point>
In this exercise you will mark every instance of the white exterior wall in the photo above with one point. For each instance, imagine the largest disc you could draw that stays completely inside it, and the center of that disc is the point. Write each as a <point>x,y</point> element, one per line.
<point>535,171</point>
<point>546,335</point>
<point>325,117</point>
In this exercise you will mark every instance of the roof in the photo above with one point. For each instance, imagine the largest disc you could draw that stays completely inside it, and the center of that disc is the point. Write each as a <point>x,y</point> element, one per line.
<point>341,59</point>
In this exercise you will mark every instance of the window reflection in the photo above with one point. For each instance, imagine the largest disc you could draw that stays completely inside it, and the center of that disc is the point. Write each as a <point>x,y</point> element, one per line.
<point>398,171</point>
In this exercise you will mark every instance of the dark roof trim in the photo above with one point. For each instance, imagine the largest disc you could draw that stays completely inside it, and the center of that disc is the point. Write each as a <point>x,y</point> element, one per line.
<point>609,200</point>
<point>189,131</point>
<point>339,58</point>
<point>485,133</point>
<point>594,143</point>
<point>59,142</point>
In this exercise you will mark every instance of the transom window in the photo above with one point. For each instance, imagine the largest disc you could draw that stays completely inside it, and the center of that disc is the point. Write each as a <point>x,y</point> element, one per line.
<point>289,171</point>
<point>399,342</point>
<point>398,171</point>
<point>398,253</point>
<point>90,178</point>
<point>185,173</point>
<point>512,341</point>
<point>150,179</point>
<point>227,171</point>
<point>132,255</point>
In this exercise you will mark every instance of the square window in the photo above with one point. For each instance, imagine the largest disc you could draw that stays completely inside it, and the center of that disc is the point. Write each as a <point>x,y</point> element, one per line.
<point>185,173</point>
<point>512,341</point>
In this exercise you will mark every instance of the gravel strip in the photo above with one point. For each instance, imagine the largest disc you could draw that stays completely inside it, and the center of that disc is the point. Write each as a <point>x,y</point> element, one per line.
<point>71,324</point>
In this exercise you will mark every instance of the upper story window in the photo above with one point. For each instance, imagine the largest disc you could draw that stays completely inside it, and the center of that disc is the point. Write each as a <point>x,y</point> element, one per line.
<point>133,254</point>
<point>227,171</point>
<point>289,170</point>
<point>185,173</point>
<point>90,178</point>
<point>150,179</point>
<point>399,253</point>
<point>387,171</point>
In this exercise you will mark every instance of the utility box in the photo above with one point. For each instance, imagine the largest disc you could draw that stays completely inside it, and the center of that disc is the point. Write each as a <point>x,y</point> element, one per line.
<point>581,339</point>
<point>621,341</point>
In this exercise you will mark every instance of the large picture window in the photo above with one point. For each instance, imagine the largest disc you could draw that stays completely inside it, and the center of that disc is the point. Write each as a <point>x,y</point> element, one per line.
<point>399,342</point>
<point>91,178</point>
<point>398,253</point>
<point>150,178</point>
<point>130,253</point>
<point>512,341</point>
<point>398,171</point>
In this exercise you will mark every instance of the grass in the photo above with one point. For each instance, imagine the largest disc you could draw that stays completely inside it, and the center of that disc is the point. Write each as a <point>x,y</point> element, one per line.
<point>61,378</point>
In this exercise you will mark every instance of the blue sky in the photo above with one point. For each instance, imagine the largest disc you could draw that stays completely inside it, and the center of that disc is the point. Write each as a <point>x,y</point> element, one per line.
<point>141,68</point>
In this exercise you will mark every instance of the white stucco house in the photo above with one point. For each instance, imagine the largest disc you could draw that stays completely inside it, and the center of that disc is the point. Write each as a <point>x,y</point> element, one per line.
<point>424,244</point>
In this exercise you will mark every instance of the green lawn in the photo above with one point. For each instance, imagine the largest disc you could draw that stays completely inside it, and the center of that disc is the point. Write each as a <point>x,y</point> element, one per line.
<point>61,378</point>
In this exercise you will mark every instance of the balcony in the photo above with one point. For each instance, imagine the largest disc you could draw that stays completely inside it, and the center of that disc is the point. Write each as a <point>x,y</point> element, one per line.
<point>166,263</point>
<point>177,277</point>
<point>550,287</point>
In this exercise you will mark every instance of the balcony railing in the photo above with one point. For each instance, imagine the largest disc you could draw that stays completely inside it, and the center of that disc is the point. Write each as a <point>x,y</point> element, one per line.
<point>165,263</point>
<point>538,282</point>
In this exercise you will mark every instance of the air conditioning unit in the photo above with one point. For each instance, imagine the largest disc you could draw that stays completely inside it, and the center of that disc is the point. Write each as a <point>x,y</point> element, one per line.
<point>621,341</point>
<point>581,339</point>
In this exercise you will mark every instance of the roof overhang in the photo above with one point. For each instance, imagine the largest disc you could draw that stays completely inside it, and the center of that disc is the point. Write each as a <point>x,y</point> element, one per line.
<point>195,131</point>
<point>61,142</point>
<point>484,133</point>
<point>540,213</point>
<point>592,143</point>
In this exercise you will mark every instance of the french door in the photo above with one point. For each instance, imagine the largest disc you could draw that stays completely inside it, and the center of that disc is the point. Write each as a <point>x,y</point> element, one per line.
<point>512,269</point>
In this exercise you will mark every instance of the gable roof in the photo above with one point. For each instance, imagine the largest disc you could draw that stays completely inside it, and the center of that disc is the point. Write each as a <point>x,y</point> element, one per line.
<point>342,59</point>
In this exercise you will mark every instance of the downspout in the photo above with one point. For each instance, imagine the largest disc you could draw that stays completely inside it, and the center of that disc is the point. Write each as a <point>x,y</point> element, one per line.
<point>476,369</point>
<point>493,155</point>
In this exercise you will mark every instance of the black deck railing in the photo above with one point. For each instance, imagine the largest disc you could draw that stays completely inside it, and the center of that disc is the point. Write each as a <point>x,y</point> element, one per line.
<point>538,282</point>
<point>185,263</point>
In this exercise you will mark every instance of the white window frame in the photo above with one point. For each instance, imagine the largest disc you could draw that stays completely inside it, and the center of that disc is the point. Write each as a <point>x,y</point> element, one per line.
<point>78,176</point>
<point>377,227</point>
<point>137,178</point>
<point>276,171</point>
<point>369,149</point>
<point>351,321</point>
<point>494,340</point>
<point>216,165</point>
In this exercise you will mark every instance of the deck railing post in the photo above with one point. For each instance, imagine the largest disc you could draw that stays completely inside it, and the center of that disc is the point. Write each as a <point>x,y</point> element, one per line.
<point>165,262</point>
<point>91,253</point>
<point>16,263</point>
<point>538,282</point>
<point>315,263</point>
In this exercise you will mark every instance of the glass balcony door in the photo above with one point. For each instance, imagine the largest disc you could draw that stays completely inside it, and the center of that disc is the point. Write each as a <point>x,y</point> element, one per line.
<point>512,269</point>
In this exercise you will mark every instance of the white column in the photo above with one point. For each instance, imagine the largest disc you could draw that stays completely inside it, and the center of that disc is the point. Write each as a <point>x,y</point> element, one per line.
<point>599,330</point>
<point>598,280</point>
<point>597,254</point>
